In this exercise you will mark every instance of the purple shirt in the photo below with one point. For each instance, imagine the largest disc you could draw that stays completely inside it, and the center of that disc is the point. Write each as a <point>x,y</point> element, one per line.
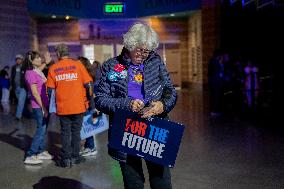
<point>33,77</point>
<point>136,82</point>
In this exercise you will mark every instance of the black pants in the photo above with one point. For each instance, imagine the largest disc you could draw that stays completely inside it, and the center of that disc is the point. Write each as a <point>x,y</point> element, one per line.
<point>133,177</point>
<point>70,135</point>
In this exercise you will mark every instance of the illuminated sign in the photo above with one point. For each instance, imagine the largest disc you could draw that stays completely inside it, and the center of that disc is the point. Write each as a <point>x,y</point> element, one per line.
<point>114,8</point>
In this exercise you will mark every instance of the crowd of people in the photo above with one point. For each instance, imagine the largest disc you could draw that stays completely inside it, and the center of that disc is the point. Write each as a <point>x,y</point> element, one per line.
<point>234,84</point>
<point>137,80</point>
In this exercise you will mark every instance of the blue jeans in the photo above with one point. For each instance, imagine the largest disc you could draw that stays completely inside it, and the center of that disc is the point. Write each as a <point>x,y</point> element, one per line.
<point>90,143</point>
<point>38,142</point>
<point>21,95</point>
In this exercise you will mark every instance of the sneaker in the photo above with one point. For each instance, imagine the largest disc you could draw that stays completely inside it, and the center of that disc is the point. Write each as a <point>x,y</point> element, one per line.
<point>89,152</point>
<point>84,150</point>
<point>77,160</point>
<point>44,156</point>
<point>32,160</point>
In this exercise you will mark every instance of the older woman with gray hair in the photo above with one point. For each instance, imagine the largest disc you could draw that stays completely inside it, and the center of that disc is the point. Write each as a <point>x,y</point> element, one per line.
<point>137,80</point>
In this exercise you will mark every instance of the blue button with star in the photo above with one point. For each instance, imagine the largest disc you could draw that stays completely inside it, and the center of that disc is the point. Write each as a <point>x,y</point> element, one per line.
<point>112,76</point>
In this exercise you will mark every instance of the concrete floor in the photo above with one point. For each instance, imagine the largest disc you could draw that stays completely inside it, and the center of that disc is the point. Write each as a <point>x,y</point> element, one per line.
<point>221,153</point>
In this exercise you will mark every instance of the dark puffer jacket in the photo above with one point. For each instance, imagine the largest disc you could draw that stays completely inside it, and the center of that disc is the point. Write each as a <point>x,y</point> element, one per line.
<point>113,95</point>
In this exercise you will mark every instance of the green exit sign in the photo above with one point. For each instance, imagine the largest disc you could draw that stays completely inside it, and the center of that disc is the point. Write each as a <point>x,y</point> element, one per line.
<point>114,8</point>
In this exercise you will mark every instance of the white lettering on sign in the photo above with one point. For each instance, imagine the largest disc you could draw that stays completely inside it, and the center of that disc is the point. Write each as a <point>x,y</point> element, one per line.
<point>67,77</point>
<point>144,145</point>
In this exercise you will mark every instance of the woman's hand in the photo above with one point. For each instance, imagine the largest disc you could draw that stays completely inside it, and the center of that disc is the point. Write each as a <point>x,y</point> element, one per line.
<point>155,108</point>
<point>45,112</point>
<point>136,105</point>
<point>47,57</point>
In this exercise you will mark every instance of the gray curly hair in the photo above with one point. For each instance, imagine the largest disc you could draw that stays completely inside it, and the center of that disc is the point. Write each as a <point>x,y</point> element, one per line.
<point>140,34</point>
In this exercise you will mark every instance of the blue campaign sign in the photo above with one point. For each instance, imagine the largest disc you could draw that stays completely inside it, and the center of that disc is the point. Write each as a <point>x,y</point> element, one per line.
<point>93,125</point>
<point>153,139</point>
<point>52,102</point>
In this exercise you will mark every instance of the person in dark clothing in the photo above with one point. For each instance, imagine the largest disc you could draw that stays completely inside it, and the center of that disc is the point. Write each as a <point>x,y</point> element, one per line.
<point>5,89</point>
<point>18,85</point>
<point>98,74</point>
<point>251,84</point>
<point>136,79</point>
<point>89,146</point>
<point>216,75</point>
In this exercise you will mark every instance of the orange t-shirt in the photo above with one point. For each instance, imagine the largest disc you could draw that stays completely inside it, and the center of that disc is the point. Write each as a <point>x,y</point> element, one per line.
<point>68,77</point>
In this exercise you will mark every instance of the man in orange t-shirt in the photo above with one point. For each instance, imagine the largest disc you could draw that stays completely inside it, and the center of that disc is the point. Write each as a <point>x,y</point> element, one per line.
<point>72,84</point>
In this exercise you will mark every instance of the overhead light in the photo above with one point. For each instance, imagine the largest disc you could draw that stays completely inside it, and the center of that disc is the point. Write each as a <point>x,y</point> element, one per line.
<point>53,16</point>
<point>67,17</point>
<point>172,14</point>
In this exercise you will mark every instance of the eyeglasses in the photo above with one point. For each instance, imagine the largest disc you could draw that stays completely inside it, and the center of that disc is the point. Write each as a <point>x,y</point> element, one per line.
<point>143,52</point>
